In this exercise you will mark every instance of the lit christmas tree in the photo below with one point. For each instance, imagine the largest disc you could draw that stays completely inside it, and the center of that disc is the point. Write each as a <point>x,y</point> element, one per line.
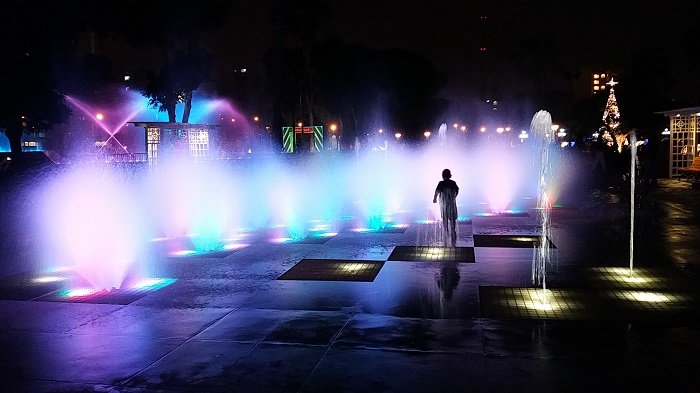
<point>611,120</point>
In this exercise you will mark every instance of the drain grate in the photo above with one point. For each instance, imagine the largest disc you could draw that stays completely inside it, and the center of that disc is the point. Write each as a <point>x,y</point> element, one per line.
<point>509,241</point>
<point>533,303</point>
<point>122,296</point>
<point>425,253</point>
<point>333,270</point>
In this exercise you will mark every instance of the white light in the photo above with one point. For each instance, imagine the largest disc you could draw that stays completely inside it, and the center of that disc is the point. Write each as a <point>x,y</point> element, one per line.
<point>244,69</point>
<point>127,77</point>
<point>46,279</point>
<point>482,129</point>
<point>666,132</point>
<point>500,130</point>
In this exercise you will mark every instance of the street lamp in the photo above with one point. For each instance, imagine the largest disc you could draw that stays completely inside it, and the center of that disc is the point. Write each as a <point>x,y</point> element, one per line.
<point>333,127</point>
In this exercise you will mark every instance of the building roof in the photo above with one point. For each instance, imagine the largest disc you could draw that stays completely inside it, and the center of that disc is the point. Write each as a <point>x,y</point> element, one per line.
<point>168,125</point>
<point>695,110</point>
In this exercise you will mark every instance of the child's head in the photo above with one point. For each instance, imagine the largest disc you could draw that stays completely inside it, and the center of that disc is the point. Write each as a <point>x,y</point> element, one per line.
<point>446,174</point>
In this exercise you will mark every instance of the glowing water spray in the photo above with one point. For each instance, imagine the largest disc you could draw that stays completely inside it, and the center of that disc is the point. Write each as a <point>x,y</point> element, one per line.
<point>541,128</point>
<point>633,165</point>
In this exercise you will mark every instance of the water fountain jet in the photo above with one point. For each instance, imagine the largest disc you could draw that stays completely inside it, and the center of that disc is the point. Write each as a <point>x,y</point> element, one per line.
<point>541,129</point>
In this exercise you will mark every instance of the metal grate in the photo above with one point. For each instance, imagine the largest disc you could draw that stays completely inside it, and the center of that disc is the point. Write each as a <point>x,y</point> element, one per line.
<point>122,296</point>
<point>424,253</point>
<point>534,303</point>
<point>333,270</point>
<point>509,241</point>
<point>640,279</point>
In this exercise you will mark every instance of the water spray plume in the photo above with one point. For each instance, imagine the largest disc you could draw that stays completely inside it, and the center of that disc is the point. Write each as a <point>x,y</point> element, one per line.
<point>541,129</point>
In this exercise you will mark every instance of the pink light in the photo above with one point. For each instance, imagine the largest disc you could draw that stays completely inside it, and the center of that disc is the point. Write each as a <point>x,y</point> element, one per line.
<point>81,292</point>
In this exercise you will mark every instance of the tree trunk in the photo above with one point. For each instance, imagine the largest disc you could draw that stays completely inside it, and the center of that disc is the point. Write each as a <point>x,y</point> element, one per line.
<point>188,108</point>
<point>170,108</point>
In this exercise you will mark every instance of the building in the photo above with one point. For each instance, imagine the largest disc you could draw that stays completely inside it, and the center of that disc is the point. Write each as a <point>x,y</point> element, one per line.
<point>684,137</point>
<point>600,80</point>
<point>176,140</point>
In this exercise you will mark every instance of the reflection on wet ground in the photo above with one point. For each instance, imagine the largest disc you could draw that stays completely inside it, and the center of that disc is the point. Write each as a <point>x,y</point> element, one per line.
<point>420,323</point>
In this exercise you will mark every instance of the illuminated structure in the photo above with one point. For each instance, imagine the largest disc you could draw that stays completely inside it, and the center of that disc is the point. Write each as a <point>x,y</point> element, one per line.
<point>33,141</point>
<point>611,119</point>
<point>684,137</point>
<point>176,140</point>
<point>302,138</point>
<point>599,80</point>
<point>4,143</point>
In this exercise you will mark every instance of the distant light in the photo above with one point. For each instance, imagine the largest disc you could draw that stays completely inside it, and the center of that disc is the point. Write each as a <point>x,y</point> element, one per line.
<point>564,144</point>
<point>455,125</point>
<point>665,132</point>
<point>99,116</point>
<point>397,135</point>
<point>500,130</point>
<point>250,151</point>
<point>523,135</point>
<point>507,129</point>
<point>464,128</point>
<point>381,130</point>
<point>127,77</point>
<point>333,127</point>
<point>555,127</point>
<point>233,120</point>
<point>561,133</point>
<point>596,134</point>
<point>482,129</point>
<point>427,134</point>
<point>299,124</point>
<point>256,119</point>
<point>244,69</point>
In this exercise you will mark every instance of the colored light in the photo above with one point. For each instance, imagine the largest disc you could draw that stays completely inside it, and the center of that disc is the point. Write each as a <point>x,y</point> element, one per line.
<point>47,279</point>
<point>153,283</point>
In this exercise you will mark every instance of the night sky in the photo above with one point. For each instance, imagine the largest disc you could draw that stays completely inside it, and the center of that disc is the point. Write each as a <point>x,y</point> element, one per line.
<point>529,55</point>
<point>582,34</point>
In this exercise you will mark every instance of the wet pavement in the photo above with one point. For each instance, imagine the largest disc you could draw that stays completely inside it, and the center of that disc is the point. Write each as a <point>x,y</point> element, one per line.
<point>227,324</point>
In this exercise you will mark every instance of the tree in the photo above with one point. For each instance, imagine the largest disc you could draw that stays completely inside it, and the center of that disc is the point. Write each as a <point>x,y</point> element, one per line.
<point>29,100</point>
<point>611,119</point>
<point>176,31</point>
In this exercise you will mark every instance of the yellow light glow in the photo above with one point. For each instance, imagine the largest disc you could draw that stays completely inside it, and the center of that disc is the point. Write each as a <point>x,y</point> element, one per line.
<point>649,297</point>
<point>352,267</point>
<point>541,306</point>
